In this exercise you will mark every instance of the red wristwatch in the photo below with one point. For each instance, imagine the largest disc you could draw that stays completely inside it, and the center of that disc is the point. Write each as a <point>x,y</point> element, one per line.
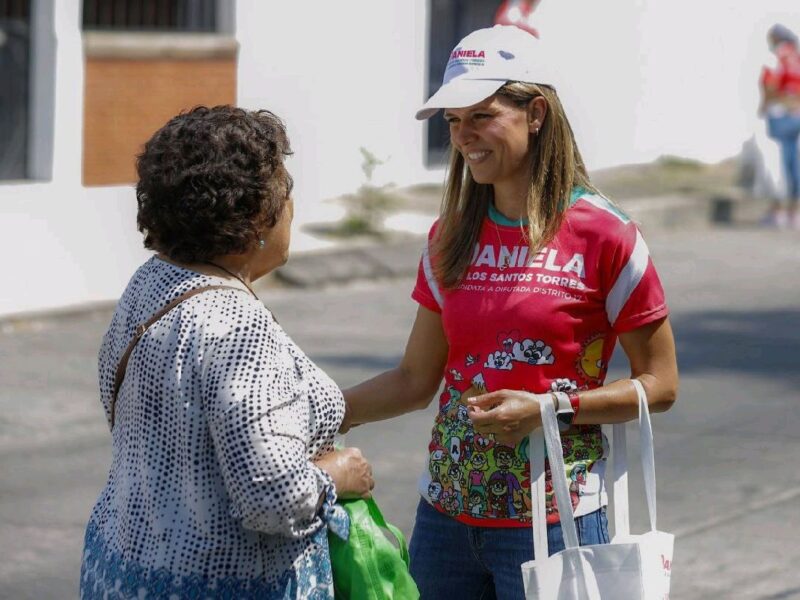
<point>575,401</point>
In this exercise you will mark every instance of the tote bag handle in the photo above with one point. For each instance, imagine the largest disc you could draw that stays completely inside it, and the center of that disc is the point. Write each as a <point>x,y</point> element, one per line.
<point>620,467</point>
<point>549,437</point>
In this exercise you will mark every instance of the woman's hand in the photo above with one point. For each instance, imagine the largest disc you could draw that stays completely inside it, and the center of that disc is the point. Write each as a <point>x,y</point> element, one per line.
<point>350,471</point>
<point>509,414</point>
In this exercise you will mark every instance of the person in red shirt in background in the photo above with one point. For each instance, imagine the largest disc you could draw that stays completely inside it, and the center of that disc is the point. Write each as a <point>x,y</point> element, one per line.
<point>529,279</point>
<point>780,104</point>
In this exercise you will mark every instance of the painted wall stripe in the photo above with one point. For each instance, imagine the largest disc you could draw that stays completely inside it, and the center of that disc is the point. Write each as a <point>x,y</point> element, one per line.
<point>628,279</point>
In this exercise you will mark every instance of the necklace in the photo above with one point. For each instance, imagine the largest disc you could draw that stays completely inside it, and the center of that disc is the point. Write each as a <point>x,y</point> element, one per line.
<point>506,258</point>
<point>234,275</point>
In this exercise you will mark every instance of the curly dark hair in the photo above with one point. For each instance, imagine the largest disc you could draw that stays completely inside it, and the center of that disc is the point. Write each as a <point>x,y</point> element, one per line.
<point>210,180</point>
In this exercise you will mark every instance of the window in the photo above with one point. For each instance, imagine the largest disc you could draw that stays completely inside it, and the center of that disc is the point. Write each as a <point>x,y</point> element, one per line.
<point>450,20</point>
<point>14,75</point>
<point>183,52</point>
<point>151,15</point>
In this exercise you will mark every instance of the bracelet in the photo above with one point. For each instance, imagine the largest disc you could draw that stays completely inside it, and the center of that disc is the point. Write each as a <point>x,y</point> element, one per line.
<point>575,401</point>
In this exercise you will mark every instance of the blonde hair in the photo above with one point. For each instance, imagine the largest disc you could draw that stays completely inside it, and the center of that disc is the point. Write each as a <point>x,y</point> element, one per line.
<point>556,167</point>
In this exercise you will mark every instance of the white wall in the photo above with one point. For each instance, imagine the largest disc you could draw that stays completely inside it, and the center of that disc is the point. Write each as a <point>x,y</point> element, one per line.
<point>644,79</point>
<point>66,245</point>
<point>653,78</point>
<point>342,75</point>
<point>63,244</point>
<point>647,78</point>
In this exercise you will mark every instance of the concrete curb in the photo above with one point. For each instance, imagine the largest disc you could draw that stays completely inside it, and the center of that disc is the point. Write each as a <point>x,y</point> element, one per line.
<point>332,267</point>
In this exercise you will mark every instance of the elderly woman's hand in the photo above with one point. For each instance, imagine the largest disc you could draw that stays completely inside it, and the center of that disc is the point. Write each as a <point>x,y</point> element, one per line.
<point>350,471</point>
<point>508,414</point>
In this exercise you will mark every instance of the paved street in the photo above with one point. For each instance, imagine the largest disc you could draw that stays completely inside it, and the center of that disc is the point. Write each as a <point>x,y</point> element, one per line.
<point>726,455</point>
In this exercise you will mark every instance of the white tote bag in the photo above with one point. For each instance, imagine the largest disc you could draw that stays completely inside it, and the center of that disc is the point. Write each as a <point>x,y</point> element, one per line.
<point>631,567</point>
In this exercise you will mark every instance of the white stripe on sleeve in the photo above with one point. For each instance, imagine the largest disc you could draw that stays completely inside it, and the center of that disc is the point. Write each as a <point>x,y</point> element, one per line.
<point>628,279</point>
<point>428,269</point>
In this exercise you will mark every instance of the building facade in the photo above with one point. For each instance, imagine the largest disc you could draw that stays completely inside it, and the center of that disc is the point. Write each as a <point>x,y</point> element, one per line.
<point>86,82</point>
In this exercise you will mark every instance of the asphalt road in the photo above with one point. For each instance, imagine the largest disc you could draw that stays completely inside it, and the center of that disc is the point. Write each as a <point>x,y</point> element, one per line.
<point>726,455</point>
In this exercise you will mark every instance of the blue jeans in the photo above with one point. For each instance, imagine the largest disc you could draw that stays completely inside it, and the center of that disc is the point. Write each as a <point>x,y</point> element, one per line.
<point>453,560</point>
<point>785,130</point>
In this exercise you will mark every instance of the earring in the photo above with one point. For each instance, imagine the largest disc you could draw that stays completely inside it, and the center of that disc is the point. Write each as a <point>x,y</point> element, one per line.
<point>536,131</point>
<point>261,243</point>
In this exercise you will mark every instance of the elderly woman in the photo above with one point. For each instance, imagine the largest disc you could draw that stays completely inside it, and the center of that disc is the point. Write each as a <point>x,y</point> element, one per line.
<point>223,475</point>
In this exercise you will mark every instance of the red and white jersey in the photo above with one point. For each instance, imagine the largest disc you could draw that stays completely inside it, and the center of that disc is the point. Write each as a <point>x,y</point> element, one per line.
<point>785,77</point>
<point>542,322</point>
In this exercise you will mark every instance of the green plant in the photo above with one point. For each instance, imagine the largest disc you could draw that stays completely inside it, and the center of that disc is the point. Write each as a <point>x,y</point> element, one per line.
<point>369,205</point>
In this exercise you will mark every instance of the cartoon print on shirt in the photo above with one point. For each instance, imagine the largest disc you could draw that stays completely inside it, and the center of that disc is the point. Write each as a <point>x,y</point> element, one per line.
<point>483,443</point>
<point>577,476</point>
<point>505,339</point>
<point>563,385</point>
<point>449,454</point>
<point>581,452</point>
<point>477,502</point>
<point>515,349</point>
<point>434,490</point>
<point>498,496</point>
<point>499,360</point>
<point>589,363</point>
<point>455,474</point>
<point>505,460</point>
<point>450,502</point>
<point>455,402</point>
<point>533,352</point>
<point>478,385</point>
<point>469,436</point>
<point>470,473</point>
<point>456,375</point>
<point>436,440</point>
<point>438,464</point>
<point>456,449</point>
<point>471,359</point>
<point>477,475</point>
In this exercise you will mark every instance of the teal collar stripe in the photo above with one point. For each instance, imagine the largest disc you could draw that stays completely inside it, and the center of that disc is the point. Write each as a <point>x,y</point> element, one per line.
<point>498,218</point>
<point>577,192</point>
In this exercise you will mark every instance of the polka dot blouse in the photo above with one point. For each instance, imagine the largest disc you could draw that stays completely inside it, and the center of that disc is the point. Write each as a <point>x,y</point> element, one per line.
<point>211,491</point>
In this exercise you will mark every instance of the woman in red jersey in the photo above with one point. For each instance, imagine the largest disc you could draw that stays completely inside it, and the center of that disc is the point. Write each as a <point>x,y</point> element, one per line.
<point>528,280</point>
<point>780,90</point>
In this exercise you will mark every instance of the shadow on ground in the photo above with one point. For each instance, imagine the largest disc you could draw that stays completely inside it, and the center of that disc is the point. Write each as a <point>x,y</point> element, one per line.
<point>763,343</point>
<point>760,343</point>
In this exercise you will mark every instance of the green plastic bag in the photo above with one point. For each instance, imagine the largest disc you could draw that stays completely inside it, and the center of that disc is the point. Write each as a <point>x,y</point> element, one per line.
<point>368,566</point>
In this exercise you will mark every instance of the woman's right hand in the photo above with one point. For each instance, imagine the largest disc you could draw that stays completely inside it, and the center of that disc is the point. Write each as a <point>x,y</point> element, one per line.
<point>350,471</point>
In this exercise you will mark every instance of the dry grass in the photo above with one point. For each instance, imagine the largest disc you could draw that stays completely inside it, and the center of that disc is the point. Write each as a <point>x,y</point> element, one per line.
<point>667,176</point>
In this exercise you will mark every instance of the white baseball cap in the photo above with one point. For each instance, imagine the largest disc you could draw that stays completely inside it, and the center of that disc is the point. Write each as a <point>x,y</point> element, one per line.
<point>483,62</point>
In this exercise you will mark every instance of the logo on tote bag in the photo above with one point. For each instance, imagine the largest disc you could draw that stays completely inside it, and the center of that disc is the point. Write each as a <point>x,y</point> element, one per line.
<point>666,563</point>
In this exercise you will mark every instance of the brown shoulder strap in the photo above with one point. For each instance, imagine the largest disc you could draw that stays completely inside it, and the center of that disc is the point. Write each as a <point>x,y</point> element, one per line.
<point>143,327</point>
